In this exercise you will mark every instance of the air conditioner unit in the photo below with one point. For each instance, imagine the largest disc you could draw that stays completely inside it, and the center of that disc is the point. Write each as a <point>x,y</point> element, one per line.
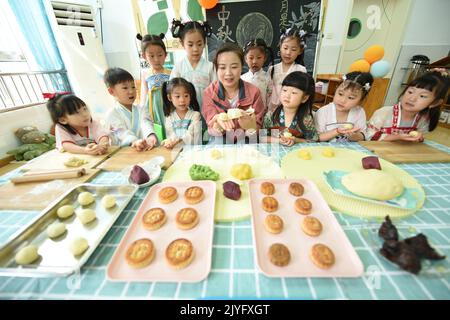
<point>81,50</point>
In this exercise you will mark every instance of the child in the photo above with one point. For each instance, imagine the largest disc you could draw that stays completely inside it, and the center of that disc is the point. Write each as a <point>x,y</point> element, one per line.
<point>194,68</point>
<point>181,108</point>
<point>417,111</point>
<point>344,119</point>
<point>293,117</point>
<point>229,91</point>
<point>292,46</point>
<point>75,130</point>
<point>130,124</point>
<point>154,52</point>
<point>256,53</point>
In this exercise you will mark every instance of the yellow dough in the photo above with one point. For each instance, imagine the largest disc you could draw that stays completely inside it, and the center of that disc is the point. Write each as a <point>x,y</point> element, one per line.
<point>287,134</point>
<point>85,198</point>
<point>373,184</point>
<point>234,113</point>
<point>108,201</point>
<point>75,162</point>
<point>242,171</point>
<point>56,229</point>
<point>348,126</point>
<point>86,216</point>
<point>78,246</point>
<point>304,154</point>
<point>27,255</point>
<point>413,133</point>
<point>328,152</point>
<point>216,154</point>
<point>223,116</point>
<point>65,211</point>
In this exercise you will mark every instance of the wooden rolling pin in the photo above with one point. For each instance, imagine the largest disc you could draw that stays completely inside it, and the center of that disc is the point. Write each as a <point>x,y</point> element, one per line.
<point>49,175</point>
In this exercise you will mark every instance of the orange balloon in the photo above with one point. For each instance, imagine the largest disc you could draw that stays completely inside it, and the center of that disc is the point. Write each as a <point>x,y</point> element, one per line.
<point>374,53</point>
<point>208,4</point>
<point>360,65</point>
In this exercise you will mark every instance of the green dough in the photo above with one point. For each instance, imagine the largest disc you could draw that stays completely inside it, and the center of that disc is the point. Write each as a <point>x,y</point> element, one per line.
<point>199,172</point>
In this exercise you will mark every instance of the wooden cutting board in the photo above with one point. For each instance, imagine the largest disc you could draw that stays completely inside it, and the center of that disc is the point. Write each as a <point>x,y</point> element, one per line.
<point>129,156</point>
<point>38,195</point>
<point>55,160</point>
<point>406,152</point>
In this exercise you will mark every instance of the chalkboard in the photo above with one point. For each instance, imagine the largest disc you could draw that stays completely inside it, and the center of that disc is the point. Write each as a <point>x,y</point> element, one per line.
<point>241,21</point>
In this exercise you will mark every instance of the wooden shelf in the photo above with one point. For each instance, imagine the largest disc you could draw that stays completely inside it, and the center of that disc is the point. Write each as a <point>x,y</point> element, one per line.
<point>444,125</point>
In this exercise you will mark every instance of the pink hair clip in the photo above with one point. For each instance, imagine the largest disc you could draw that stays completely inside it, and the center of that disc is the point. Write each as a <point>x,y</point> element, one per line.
<point>48,95</point>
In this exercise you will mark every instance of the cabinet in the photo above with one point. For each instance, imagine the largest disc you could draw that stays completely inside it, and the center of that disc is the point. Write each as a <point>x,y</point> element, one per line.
<point>445,64</point>
<point>373,101</point>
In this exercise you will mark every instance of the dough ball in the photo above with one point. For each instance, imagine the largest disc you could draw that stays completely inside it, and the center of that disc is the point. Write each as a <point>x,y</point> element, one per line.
<point>75,162</point>
<point>78,246</point>
<point>242,171</point>
<point>348,126</point>
<point>56,229</point>
<point>85,198</point>
<point>108,201</point>
<point>216,154</point>
<point>304,154</point>
<point>328,152</point>
<point>65,211</point>
<point>86,216</point>
<point>373,184</point>
<point>223,116</point>
<point>27,255</point>
<point>413,133</point>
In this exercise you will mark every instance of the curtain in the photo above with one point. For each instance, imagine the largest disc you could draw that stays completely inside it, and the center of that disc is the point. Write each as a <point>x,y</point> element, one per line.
<point>32,19</point>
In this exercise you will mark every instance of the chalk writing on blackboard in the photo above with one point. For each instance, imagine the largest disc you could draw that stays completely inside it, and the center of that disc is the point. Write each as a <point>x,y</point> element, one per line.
<point>224,32</point>
<point>254,25</point>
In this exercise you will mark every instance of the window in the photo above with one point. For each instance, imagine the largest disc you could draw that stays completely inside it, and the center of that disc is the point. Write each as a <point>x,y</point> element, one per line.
<point>20,86</point>
<point>354,28</point>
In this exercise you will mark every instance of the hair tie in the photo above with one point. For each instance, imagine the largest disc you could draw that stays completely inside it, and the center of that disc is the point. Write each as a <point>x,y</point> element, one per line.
<point>366,86</point>
<point>48,95</point>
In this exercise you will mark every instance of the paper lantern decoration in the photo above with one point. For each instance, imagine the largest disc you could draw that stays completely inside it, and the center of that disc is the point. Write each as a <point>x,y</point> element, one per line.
<point>208,4</point>
<point>374,53</point>
<point>380,68</point>
<point>360,65</point>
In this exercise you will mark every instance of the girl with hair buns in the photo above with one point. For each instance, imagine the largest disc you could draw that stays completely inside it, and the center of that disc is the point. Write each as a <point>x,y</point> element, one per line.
<point>154,52</point>
<point>292,46</point>
<point>344,119</point>
<point>193,67</point>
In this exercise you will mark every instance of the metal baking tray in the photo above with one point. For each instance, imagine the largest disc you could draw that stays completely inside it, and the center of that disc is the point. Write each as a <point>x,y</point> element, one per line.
<point>55,259</point>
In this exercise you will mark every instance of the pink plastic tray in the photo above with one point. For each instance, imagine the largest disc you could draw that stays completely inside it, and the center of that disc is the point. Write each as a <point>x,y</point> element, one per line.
<point>347,262</point>
<point>201,237</point>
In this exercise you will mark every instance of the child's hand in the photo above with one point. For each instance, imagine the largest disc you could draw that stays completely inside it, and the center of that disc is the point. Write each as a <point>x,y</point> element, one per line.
<point>170,143</point>
<point>288,142</point>
<point>95,149</point>
<point>347,132</point>
<point>151,141</point>
<point>416,138</point>
<point>139,145</point>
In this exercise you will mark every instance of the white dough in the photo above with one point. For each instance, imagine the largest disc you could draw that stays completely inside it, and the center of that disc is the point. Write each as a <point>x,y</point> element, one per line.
<point>86,215</point>
<point>56,229</point>
<point>78,246</point>
<point>65,211</point>
<point>108,201</point>
<point>373,184</point>
<point>27,255</point>
<point>85,198</point>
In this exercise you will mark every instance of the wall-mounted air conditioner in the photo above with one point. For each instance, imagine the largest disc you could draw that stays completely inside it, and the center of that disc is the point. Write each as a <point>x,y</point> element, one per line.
<point>76,35</point>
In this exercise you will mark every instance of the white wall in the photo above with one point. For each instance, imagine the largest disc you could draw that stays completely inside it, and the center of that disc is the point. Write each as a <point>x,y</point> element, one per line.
<point>426,33</point>
<point>335,28</point>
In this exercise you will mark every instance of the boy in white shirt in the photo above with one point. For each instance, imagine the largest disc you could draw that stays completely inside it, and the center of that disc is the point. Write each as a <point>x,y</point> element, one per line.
<point>130,124</point>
